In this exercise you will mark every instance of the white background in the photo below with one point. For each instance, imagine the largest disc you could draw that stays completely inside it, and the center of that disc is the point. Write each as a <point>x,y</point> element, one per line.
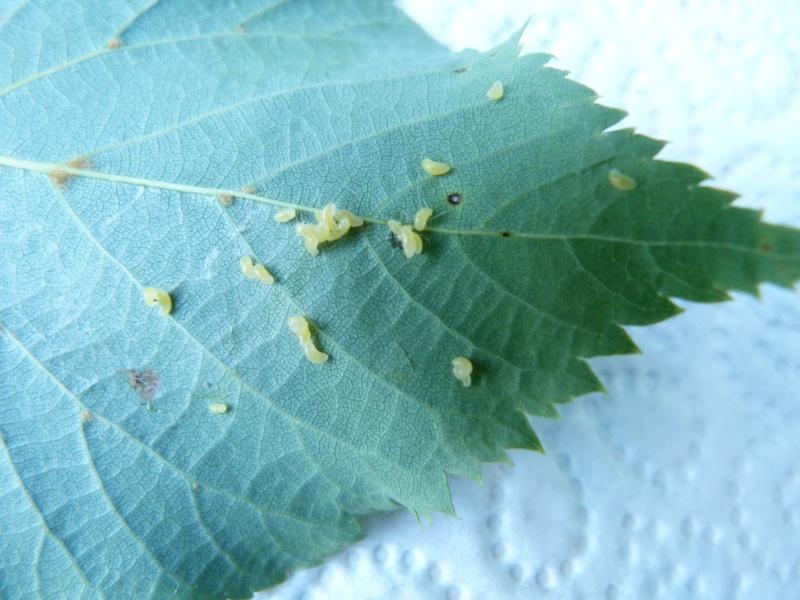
<point>683,482</point>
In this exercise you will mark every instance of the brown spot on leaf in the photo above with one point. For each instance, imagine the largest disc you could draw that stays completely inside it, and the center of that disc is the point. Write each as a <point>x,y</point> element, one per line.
<point>226,199</point>
<point>766,247</point>
<point>114,43</point>
<point>144,383</point>
<point>87,416</point>
<point>60,179</point>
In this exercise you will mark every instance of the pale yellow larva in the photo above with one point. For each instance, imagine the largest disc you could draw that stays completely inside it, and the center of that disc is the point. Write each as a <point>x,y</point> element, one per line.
<point>496,91</point>
<point>462,370</point>
<point>248,268</point>
<point>421,218</point>
<point>261,273</point>
<point>315,356</point>
<point>286,215</point>
<point>355,221</point>
<point>621,181</point>
<point>158,297</point>
<point>299,326</point>
<point>218,408</point>
<point>327,216</point>
<point>342,227</point>
<point>435,168</point>
<point>394,226</point>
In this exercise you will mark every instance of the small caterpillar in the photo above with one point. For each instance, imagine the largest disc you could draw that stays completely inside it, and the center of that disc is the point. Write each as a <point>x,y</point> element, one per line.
<point>496,91</point>
<point>299,326</point>
<point>285,215</point>
<point>621,181</point>
<point>421,218</point>
<point>253,270</point>
<point>462,370</point>
<point>157,296</point>
<point>435,168</point>
<point>331,225</point>
<point>218,408</point>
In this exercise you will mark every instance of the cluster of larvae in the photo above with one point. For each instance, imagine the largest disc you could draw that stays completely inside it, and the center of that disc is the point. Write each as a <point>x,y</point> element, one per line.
<point>408,238</point>
<point>330,226</point>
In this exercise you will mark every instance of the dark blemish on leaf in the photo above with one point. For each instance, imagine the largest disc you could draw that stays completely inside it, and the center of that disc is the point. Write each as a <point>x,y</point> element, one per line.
<point>455,198</point>
<point>249,189</point>
<point>144,383</point>
<point>506,234</point>
<point>459,71</point>
<point>766,247</point>
<point>87,416</point>
<point>493,53</point>
<point>60,179</point>
<point>114,43</point>
<point>196,486</point>
<point>226,199</point>
<point>394,242</point>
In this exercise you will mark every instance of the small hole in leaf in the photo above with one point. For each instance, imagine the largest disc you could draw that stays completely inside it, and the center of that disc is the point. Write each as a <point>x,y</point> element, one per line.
<point>455,198</point>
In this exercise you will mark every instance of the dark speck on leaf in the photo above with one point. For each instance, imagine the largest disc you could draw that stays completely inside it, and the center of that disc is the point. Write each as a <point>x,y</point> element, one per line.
<point>144,383</point>
<point>766,247</point>
<point>462,70</point>
<point>395,243</point>
<point>506,234</point>
<point>454,198</point>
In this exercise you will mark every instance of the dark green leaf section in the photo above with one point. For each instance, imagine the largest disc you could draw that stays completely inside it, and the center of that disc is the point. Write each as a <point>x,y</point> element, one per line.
<point>117,480</point>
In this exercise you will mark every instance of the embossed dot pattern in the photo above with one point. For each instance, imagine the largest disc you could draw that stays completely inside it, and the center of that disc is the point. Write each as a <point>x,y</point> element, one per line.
<point>683,482</point>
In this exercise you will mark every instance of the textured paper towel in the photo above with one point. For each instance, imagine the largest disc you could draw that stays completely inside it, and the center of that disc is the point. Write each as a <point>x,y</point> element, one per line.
<point>684,481</point>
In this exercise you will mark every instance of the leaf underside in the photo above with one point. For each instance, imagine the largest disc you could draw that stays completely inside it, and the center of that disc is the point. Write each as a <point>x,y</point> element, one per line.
<point>116,479</point>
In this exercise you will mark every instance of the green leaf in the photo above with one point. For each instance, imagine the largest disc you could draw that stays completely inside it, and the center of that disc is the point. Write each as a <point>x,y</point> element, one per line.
<point>121,128</point>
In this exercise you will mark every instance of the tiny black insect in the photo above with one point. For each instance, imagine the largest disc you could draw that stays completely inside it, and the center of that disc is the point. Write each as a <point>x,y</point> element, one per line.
<point>454,198</point>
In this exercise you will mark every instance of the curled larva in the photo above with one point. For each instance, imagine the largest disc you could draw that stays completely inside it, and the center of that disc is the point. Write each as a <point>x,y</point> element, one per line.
<point>621,181</point>
<point>315,356</point>
<point>299,326</point>
<point>285,215</point>
<point>248,268</point>
<point>462,370</point>
<point>261,273</point>
<point>496,91</point>
<point>421,218</point>
<point>218,408</point>
<point>156,296</point>
<point>435,168</point>
<point>355,221</point>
